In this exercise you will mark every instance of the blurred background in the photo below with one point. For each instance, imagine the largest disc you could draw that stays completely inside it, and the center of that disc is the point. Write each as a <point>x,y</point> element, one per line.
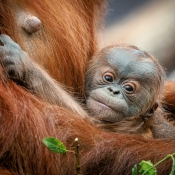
<point>148,24</point>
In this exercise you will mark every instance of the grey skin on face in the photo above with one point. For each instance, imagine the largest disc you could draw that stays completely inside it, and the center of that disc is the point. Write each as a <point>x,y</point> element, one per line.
<point>120,83</point>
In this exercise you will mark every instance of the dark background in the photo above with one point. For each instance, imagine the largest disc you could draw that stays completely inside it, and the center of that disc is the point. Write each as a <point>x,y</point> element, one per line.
<point>121,8</point>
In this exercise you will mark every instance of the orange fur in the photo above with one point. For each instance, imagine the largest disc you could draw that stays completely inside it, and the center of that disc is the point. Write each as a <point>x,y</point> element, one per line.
<point>25,121</point>
<point>68,36</point>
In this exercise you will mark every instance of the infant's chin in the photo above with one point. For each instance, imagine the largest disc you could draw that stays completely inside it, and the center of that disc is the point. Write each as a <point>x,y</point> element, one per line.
<point>110,116</point>
<point>103,112</point>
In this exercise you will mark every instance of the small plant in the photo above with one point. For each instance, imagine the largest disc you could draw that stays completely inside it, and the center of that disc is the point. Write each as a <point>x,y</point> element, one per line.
<point>57,146</point>
<point>147,167</point>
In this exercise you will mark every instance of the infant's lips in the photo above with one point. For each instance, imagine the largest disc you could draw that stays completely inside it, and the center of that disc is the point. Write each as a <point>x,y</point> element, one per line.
<point>105,105</point>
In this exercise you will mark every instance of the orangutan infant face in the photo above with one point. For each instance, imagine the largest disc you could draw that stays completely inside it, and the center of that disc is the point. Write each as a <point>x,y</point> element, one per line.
<point>120,83</point>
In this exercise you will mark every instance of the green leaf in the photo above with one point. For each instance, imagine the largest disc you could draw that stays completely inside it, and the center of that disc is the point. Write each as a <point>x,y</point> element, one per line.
<point>147,168</point>
<point>173,166</point>
<point>135,170</point>
<point>54,145</point>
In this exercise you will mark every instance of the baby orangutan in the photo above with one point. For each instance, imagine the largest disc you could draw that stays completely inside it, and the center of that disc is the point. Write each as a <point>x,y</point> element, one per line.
<point>123,86</point>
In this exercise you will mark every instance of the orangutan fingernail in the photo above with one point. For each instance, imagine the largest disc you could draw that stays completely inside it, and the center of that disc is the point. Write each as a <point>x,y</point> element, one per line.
<point>1,43</point>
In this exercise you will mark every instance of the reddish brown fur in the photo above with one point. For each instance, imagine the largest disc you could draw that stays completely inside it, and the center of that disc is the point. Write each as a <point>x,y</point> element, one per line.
<point>25,120</point>
<point>70,31</point>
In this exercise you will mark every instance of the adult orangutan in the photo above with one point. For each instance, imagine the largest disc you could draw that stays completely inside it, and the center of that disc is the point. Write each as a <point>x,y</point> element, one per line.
<point>60,37</point>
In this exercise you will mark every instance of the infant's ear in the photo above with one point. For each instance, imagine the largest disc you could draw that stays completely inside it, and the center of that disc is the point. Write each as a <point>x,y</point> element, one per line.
<point>155,106</point>
<point>150,112</point>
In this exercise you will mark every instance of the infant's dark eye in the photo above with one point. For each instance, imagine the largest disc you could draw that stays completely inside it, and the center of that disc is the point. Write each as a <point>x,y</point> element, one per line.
<point>108,77</point>
<point>129,88</point>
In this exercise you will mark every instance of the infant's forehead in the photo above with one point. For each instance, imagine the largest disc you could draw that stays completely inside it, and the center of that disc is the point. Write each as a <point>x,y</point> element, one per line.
<point>120,56</point>
<point>129,60</point>
<point>125,55</point>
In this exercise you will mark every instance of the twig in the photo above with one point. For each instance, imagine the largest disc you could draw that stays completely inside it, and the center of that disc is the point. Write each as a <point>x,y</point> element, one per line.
<point>78,170</point>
